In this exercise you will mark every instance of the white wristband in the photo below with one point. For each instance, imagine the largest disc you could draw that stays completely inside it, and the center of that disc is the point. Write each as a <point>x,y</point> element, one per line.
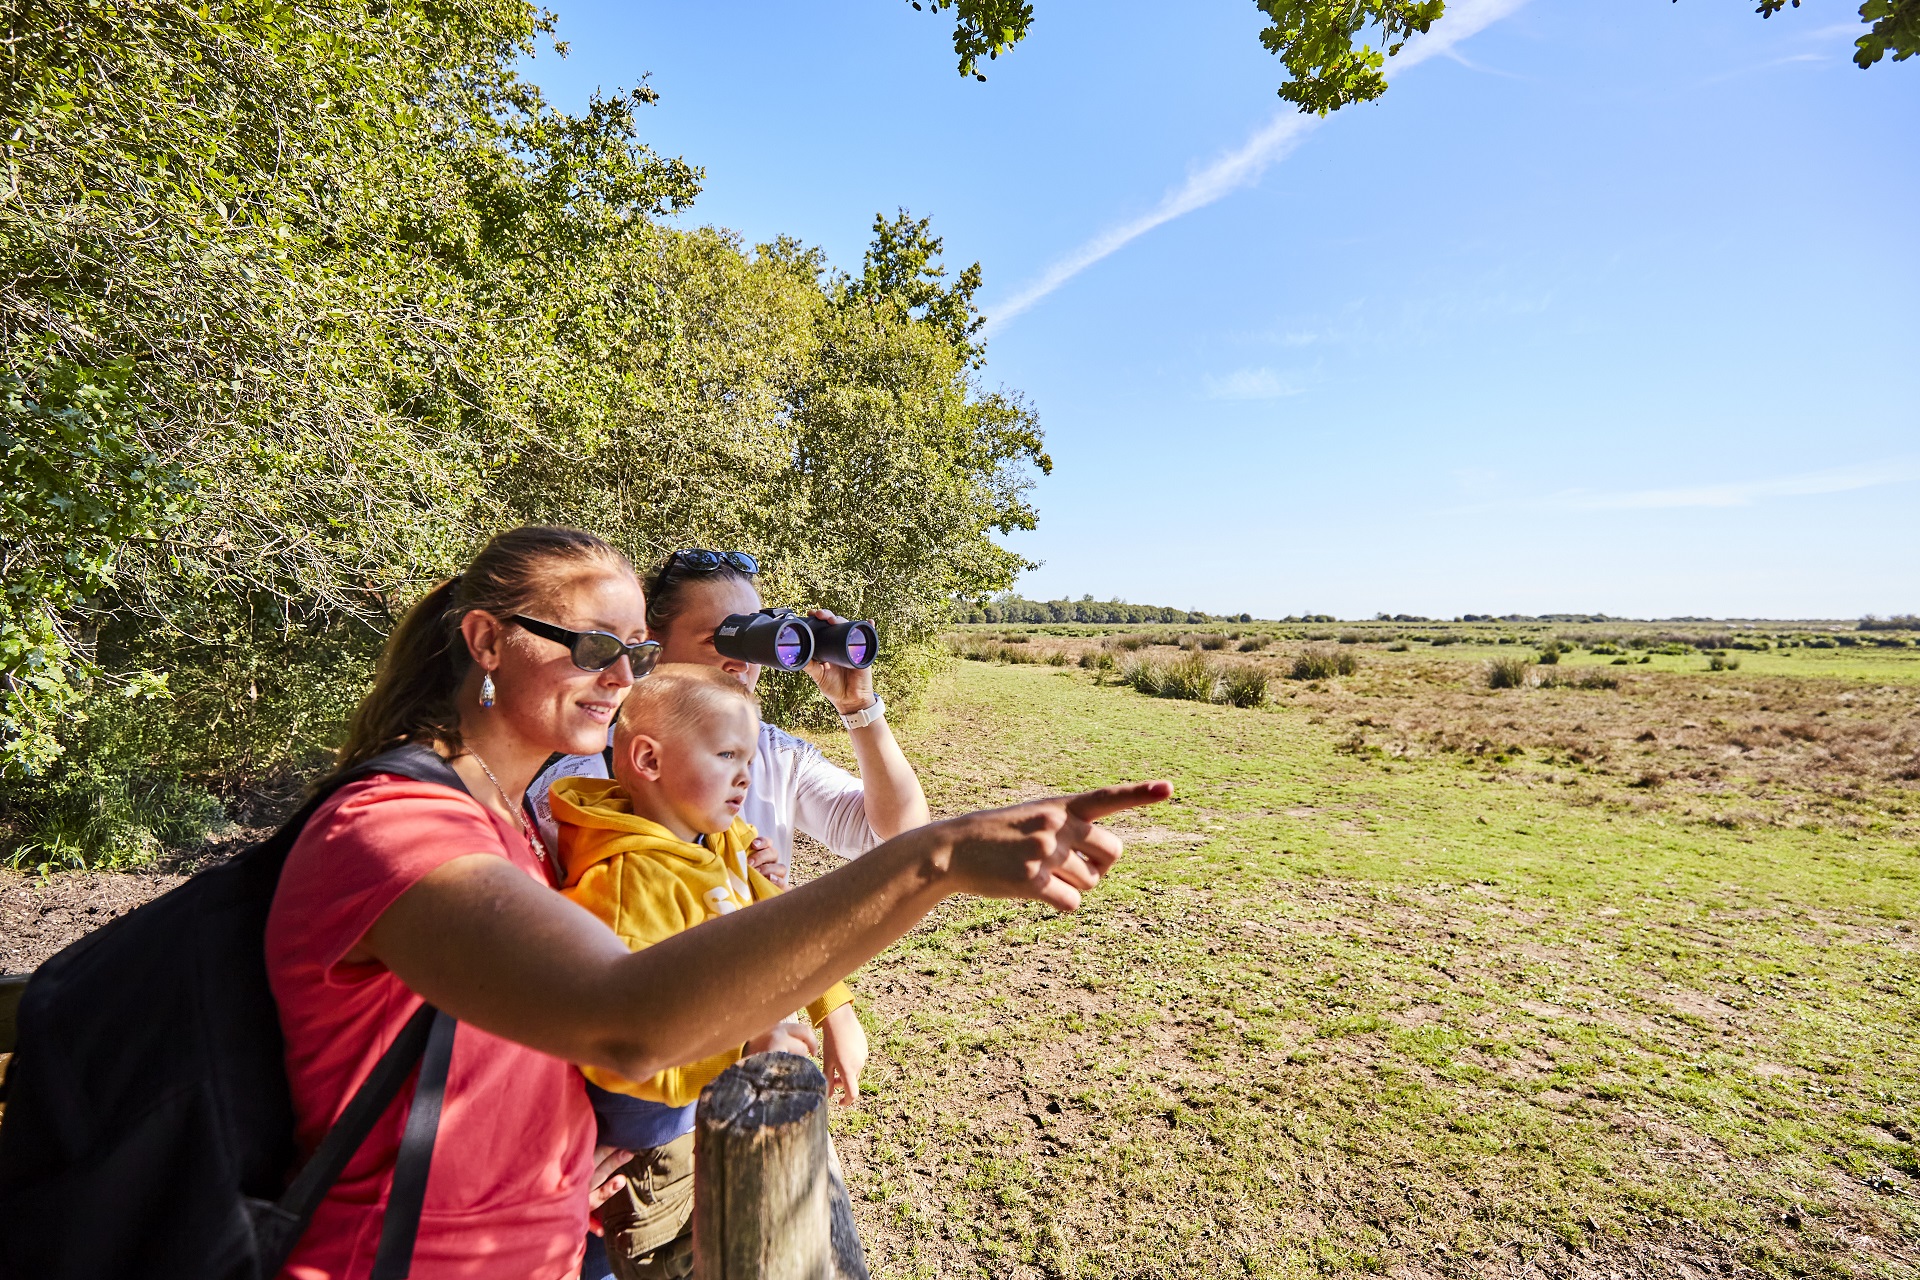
<point>867,715</point>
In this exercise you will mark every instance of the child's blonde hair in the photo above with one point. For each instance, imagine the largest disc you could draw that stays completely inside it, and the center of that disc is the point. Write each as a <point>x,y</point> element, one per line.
<point>675,696</point>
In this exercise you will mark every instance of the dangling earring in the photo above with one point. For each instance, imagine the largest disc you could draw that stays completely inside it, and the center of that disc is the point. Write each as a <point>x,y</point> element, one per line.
<point>486,690</point>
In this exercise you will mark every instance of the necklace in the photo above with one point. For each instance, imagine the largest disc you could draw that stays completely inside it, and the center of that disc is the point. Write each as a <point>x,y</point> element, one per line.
<point>512,808</point>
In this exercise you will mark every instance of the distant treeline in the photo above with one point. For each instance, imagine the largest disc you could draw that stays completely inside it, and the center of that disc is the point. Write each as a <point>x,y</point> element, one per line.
<point>1017,609</point>
<point>1085,609</point>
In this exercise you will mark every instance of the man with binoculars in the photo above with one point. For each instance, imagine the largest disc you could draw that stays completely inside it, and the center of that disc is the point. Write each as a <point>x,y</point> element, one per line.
<point>702,607</point>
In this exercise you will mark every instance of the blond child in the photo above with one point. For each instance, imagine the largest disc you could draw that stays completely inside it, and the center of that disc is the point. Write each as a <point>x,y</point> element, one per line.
<point>654,851</point>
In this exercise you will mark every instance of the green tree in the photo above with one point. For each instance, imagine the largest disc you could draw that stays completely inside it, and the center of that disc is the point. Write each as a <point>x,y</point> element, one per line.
<point>1335,51</point>
<point>338,286</point>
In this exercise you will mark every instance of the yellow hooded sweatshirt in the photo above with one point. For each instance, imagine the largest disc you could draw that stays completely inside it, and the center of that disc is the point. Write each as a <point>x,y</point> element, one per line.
<point>648,884</point>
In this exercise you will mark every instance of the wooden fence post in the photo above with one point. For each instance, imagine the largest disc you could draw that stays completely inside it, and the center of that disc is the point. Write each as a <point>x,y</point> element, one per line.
<point>12,987</point>
<point>766,1205</point>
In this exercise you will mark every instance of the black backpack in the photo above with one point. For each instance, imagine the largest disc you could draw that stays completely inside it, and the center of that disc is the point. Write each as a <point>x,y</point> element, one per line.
<point>149,1126</point>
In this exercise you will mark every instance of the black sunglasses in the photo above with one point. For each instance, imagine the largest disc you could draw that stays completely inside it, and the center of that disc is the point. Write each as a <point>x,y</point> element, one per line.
<point>701,560</point>
<point>596,650</point>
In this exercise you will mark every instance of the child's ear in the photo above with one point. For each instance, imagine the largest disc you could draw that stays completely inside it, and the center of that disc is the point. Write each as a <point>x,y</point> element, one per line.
<point>643,756</point>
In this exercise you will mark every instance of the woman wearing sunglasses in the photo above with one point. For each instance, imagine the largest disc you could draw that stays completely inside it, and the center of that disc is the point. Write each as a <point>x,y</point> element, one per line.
<point>399,891</point>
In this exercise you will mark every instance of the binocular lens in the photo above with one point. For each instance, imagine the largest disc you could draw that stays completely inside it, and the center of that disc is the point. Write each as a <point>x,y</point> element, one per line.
<point>850,644</point>
<point>790,646</point>
<point>857,647</point>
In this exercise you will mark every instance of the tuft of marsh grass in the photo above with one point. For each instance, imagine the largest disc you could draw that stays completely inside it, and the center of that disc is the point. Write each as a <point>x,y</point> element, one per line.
<point>993,651</point>
<point>1195,677</point>
<point>1591,678</point>
<point>1253,644</point>
<point>1322,664</point>
<point>1191,678</point>
<point>1509,672</point>
<point>1718,660</point>
<point>1242,684</point>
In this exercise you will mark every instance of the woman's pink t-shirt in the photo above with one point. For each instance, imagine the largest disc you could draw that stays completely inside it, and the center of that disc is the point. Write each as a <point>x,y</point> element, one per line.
<point>507,1195</point>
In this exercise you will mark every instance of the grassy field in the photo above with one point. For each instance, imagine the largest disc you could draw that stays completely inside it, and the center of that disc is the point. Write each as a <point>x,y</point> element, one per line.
<point>1417,977</point>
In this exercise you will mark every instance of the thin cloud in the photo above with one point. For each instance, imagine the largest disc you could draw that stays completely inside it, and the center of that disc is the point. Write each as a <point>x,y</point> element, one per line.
<point>1243,166</point>
<point>1767,66</point>
<point>1737,493</point>
<point>1251,384</point>
<point>1229,173</point>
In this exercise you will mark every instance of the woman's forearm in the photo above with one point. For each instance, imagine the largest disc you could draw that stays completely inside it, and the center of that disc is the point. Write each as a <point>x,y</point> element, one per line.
<point>790,949</point>
<point>480,939</point>
<point>894,799</point>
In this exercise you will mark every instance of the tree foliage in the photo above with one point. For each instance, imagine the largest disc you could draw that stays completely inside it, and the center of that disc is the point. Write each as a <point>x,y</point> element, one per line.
<point>1893,26</point>
<point>1335,51</point>
<point>1011,608</point>
<point>299,304</point>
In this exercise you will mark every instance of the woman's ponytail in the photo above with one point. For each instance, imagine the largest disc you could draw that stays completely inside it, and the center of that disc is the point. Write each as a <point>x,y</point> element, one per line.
<point>415,694</point>
<point>414,690</point>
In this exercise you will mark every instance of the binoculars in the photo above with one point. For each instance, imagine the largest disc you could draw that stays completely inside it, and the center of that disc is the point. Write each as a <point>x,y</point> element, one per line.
<point>788,641</point>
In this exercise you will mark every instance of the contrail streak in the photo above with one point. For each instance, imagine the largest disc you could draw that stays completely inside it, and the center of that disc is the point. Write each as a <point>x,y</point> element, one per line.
<point>1241,167</point>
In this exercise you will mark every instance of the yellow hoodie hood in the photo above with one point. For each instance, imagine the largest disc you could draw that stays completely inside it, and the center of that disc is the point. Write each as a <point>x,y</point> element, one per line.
<point>648,884</point>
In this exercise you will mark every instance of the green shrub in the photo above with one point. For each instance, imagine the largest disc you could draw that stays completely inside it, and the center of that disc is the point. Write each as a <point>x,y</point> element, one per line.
<point>95,817</point>
<point>1591,678</point>
<point>1322,664</point>
<point>1192,678</point>
<point>1513,672</point>
<point>1163,678</point>
<point>1243,684</point>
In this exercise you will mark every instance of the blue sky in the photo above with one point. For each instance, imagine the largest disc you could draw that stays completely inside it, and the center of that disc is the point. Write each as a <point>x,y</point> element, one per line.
<point>1608,305</point>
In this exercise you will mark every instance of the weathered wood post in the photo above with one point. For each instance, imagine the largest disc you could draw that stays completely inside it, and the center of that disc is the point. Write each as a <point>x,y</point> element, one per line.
<point>766,1205</point>
<point>12,987</point>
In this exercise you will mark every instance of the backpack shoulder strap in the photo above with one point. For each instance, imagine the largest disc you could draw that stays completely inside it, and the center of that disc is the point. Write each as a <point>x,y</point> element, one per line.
<point>409,1190</point>
<point>370,1101</point>
<point>410,760</point>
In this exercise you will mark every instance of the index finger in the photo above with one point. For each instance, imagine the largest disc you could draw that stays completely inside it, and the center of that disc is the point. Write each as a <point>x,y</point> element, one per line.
<point>1090,806</point>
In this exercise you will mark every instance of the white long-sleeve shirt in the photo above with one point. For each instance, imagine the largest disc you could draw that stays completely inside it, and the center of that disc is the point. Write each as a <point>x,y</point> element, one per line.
<point>793,787</point>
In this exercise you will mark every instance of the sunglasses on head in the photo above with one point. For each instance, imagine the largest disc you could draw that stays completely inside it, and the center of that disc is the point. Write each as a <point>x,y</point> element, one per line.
<point>701,560</point>
<point>596,650</point>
